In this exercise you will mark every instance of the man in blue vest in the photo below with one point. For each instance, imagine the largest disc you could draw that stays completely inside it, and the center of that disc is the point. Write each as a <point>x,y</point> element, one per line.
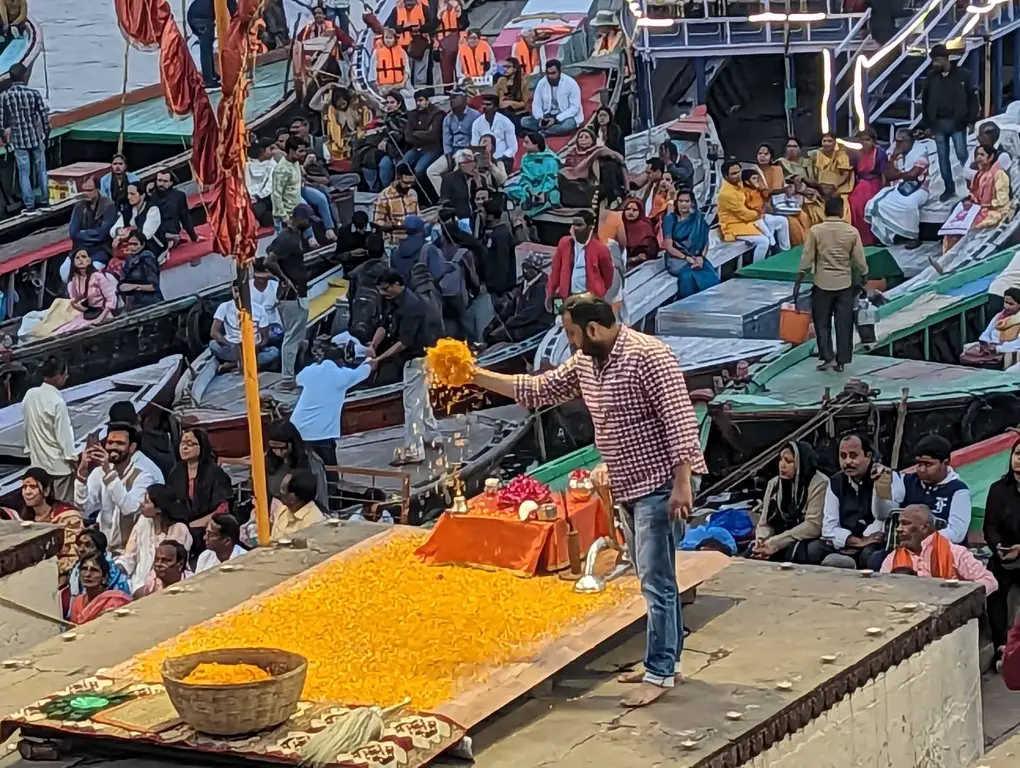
<point>936,485</point>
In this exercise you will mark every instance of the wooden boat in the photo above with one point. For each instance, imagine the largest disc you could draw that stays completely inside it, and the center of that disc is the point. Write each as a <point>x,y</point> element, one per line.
<point>179,325</point>
<point>152,140</point>
<point>22,50</point>
<point>149,388</point>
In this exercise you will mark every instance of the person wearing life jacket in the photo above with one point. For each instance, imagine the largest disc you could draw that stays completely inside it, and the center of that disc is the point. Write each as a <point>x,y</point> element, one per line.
<point>389,63</point>
<point>451,21</point>
<point>475,59</point>
<point>529,53</point>
<point>410,18</point>
<point>607,33</point>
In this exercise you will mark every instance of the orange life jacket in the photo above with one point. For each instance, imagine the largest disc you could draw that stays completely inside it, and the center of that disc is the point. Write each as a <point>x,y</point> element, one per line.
<point>255,44</point>
<point>390,65</point>
<point>475,62</point>
<point>606,43</point>
<point>413,18</point>
<point>449,23</point>
<point>309,32</point>
<point>528,57</point>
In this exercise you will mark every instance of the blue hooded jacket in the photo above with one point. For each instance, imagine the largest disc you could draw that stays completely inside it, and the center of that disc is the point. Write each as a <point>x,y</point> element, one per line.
<point>409,252</point>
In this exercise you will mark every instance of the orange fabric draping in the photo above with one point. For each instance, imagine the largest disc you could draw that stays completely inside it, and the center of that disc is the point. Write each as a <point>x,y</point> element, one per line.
<point>218,141</point>
<point>525,548</point>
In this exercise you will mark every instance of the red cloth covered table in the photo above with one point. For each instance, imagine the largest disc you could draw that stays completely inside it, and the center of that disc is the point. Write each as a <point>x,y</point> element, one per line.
<point>524,547</point>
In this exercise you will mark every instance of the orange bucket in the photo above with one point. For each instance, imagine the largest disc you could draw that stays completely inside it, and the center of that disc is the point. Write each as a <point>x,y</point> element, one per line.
<point>794,325</point>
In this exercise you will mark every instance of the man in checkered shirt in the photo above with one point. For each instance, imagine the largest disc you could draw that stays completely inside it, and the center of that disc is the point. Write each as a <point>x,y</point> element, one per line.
<point>26,126</point>
<point>648,437</point>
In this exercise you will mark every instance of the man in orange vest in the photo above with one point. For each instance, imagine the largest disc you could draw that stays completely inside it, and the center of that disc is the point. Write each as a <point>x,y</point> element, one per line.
<point>410,19</point>
<point>389,63</point>
<point>475,60</point>
<point>526,51</point>
<point>450,23</point>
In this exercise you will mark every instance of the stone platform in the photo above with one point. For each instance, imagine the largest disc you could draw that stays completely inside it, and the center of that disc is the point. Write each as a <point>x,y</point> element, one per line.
<point>901,688</point>
<point>28,579</point>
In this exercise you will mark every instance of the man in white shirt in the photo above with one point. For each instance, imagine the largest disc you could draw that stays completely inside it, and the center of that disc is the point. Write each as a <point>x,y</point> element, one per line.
<point>49,437</point>
<point>258,178</point>
<point>264,288</point>
<point>494,123</point>
<point>222,542</point>
<point>111,482</point>
<point>320,405</point>
<point>556,108</point>
<point>225,344</point>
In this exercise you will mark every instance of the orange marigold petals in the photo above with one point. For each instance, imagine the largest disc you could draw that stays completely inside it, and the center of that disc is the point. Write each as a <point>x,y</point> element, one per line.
<point>226,674</point>
<point>450,363</point>
<point>380,625</point>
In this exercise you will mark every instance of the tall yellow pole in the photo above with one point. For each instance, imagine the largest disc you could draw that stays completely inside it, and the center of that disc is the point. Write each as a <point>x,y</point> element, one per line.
<point>249,359</point>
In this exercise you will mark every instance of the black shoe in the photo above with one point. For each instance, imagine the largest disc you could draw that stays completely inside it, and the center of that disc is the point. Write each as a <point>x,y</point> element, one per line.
<point>824,365</point>
<point>913,244</point>
<point>838,368</point>
<point>212,85</point>
<point>948,195</point>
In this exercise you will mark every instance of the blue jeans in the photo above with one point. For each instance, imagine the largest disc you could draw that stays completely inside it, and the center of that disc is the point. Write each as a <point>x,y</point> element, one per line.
<point>205,31</point>
<point>339,16</point>
<point>387,171</point>
<point>944,133</point>
<point>231,353</point>
<point>320,203</point>
<point>529,123</point>
<point>27,159</point>
<point>419,160</point>
<point>653,546</point>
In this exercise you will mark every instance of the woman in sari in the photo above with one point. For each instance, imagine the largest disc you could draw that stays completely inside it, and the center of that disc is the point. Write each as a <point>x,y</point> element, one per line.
<point>798,170</point>
<point>589,166</point>
<point>1001,335</point>
<point>869,163</point>
<point>39,505</point>
<point>895,212</point>
<point>685,240</point>
<point>93,296</point>
<point>776,184</point>
<point>831,174</point>
<point>642,242</point>
<point>988,203</point>
<point>536,187</point>
<point>96,598</point>
<point>92,541</point>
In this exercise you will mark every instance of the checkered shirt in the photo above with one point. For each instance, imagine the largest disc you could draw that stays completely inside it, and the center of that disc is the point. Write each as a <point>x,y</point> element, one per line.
<point>390,209</point>
<point>644,421</point>
<point>23,110</point>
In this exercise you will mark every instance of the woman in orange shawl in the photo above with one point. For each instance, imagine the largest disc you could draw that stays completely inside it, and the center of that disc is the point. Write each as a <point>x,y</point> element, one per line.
<point>775,184</point>
<point>95,599</point>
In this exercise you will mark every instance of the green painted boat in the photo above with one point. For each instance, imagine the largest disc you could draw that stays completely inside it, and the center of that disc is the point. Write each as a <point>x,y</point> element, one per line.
<point>786,264</point>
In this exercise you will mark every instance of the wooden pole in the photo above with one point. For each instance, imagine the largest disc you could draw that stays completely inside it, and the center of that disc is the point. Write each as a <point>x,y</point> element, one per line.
<point>249,359</point>
<point>123,97</point>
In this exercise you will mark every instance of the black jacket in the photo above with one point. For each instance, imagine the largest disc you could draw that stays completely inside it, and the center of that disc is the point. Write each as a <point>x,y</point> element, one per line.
<point>457,191</point>
<point>173,209</point>
<point>424,129</point>
<point>499,267</point>
<point>949,97</point>
<point>530,316</point>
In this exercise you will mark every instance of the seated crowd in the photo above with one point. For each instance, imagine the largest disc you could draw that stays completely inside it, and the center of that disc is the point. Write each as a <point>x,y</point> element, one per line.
<point>869,517</point>
<point>140,513</point>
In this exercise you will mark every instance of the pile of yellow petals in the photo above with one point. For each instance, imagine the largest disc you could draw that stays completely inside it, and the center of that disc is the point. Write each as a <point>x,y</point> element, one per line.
<point>226,674</point>
<point>380,625</point>
<point>450,363</point>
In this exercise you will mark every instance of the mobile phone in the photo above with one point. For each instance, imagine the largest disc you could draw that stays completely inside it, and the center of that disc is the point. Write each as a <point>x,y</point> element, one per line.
<point>557,305</point>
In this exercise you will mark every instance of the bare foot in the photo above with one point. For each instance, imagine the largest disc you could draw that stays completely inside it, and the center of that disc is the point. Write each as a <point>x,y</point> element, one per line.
<point>635,676</point>
<point>643,695</point>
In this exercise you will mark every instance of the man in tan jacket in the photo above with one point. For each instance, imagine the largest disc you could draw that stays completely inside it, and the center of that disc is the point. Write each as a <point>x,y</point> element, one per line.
<point>831,252</point>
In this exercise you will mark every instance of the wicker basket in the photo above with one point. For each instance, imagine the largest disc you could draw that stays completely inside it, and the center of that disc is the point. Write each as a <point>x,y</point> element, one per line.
<point>231,710</point>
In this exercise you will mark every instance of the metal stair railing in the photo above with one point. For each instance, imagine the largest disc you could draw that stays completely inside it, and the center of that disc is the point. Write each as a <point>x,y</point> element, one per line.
<point>915,30</point>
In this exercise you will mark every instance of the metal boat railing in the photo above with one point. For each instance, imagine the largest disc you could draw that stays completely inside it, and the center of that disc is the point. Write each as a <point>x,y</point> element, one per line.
<point>809,25</point>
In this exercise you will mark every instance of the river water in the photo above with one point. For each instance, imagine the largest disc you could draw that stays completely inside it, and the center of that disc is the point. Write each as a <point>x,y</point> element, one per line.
<point>84,50</point>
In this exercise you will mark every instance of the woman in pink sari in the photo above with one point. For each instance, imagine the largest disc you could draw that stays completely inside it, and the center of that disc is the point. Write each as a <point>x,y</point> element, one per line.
<point>95,599</point>
<point>92,293</point>
<point>869,166</point>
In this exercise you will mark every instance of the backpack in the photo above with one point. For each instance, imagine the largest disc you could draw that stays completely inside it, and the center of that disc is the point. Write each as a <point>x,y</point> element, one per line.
<point>454,283</point>
<point>365,303</point>
<point>424,286</point>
